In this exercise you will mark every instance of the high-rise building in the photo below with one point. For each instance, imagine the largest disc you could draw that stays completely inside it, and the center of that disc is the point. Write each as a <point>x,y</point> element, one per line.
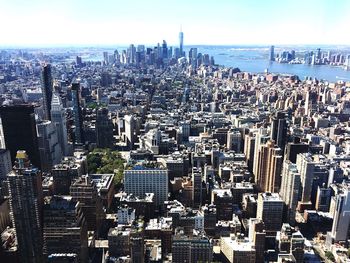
<point>270,211</point>
<point>290,189</point>
<point>181,40</point>
<point>306,168</point>
<point>129,124</point>
<point>104,129</point>
<point>140,182</point>
<point>5,164</point>
<point>19,131</point>
<point>249,146</point>
<point>272,53</point>
<point>270,165</point>
<point>77,114</point>
<point>279,130</point>
<point>197,248</point>
<point>257,236</point>
<point>58,118</point>
<point>49,147</point>
<point>293,149</point>
<point>65,229</point>
<point>197,187</point>
<point>25,190</point>
<point>237,249</point>
<point>84,190</point>
<point>261,138</point>
<point>47,87</point>
<point>341,214</point>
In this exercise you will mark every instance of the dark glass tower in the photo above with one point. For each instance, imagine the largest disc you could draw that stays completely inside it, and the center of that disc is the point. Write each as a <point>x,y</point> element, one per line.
<point>47,86</point>
<point>77,114</point>
<point>19,131</point>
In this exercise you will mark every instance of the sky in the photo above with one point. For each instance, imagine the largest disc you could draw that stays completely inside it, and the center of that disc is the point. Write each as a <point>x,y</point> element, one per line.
<point>204,22</point>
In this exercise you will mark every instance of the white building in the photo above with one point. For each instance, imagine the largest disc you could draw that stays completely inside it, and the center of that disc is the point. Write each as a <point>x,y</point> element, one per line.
<point>58,118</point>
<point>341,214</point>
<point>49,148</point>
<point>237,249</point>
<point>140,182</point>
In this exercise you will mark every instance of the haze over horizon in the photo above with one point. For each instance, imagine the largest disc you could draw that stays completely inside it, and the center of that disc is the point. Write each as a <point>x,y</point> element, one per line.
<point>87,23</point>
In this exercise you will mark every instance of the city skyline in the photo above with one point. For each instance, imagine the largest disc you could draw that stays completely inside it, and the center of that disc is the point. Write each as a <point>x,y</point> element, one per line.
<point>76,23</point>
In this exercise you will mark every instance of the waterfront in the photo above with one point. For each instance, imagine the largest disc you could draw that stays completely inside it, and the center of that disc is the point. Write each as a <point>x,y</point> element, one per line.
<point>255,59</point>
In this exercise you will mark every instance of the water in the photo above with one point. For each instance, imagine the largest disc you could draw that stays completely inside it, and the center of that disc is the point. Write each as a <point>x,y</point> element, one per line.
<point>255,59</point>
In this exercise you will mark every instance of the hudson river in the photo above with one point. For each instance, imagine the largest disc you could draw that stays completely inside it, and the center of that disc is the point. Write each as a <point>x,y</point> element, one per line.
<point>255,59</point>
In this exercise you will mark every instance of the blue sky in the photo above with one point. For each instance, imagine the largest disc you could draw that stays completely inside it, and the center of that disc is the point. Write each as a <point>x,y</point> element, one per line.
<point>223,22</point>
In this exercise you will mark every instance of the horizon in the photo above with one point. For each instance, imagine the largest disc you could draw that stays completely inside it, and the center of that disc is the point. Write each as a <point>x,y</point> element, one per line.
<point>85,23</point>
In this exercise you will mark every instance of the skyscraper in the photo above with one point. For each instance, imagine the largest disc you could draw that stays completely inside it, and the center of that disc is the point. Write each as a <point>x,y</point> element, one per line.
<point>279,130</point>
<point>65,229</point>
<point>270,211</point>
<point>104,129</point>
<point>5,164</point>
<point>24,185</point>
<point>19,131</point>
<point>270,165</point>
<point>49,147</point>
<point>272,53</point>
<point>84,190</point>
<point>140,182</point>
<point>77,114</point>
<point>46,86</point>
<point>341,215</point>
<point>181,39</point>
<point>290,189</point>
<point>58,118</point>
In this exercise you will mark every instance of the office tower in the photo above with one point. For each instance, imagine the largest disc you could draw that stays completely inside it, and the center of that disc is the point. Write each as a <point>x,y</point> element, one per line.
<point>65,229</point>
<point>5,164</point>
<point>196,187</point>
<point>261,138</point>
<point>270,211</point>
<point>196,248</point>
<point>78,61</point>
<point>164,50</point>
<point>237,249</point>
<point>257,236</point>
<point>270,165</point>
<point>297,247</point>
<point>47,87</point>
<point>181,40</point>
<point>130,130</point>
<point>234,141</point>
<point>249,146</point>
<point>105,57</point>
<point>137,248</point>
<point>49,147</point>
<point>272,53</point>
<point>19,131</point>
<point>306,168</point>
<point>84,191</point>
<point>77,115</point>
<point>341,214</point>
<point>293,149</point>
<point>24,185</point>
<point>140,182</point>
<point>58,118</point>
<point>279,130</point>
<point>104,129</point>
<point>119,241</point>
<point>290,189</point>
<point>323,198</point>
